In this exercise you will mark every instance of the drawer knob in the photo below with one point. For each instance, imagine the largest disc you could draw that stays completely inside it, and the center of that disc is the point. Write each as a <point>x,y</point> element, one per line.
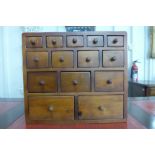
<point>42,82</point>
<point>50,108</point>
<point>113,58</point>
<point>54,42</point>
<point>115,41</point>
<point>36,59</point>
<point>32,42</point>
<point>101,108</point>
<point>109,81</point>
<point>74,40</point>
<point>61,59</point>
<point>95,40</point>
<point>75,82</point>
<point>88,59</point>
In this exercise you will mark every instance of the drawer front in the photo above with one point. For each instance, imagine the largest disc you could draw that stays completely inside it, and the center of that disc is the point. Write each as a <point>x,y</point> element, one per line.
<point>42,82</point>
<point>37,59</point>
<point>94,41</point>
<point>75,41</point>
<point>88,59</point>
<point>57,108</point>
<point>115,41</point>
<point>54,41</point>
<point>62,59</point>
<point>75,81</point>
<point>109,81</point>
<point>34,42</point>
<point>113,58</point>
<point>100,107</point>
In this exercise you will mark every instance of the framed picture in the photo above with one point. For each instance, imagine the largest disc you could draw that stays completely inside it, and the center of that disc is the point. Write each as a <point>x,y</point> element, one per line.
<point>79,28</point>
<point>153,41</point>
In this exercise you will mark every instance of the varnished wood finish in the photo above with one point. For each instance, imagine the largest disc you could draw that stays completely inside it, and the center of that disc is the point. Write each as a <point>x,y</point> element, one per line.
<point>51,108</point>
<point>75,41</point>
<point>62,59</point>
<point>115,41</point>
<point>54,41</point>
<point>34,42</point>
<point>21,124</point>
<point>100,107</point>
<point>7,106</point>
<point>113,58</point>
<point>95,41</point>
<point>76,67</point>
<point>37,60</point>
<point>42,82</point>
<point>88,59</point>
<point>109,81</point>
<point>75,81</point>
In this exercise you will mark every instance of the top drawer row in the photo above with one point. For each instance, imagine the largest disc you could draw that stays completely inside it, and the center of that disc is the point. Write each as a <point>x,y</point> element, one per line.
<point>75,41</point>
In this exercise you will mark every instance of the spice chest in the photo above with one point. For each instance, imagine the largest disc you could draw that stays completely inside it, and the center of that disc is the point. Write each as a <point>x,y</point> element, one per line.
<point>75,77</point>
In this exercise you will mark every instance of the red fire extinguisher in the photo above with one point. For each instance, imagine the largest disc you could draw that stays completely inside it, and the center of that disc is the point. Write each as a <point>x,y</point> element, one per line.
<point>134,71</point>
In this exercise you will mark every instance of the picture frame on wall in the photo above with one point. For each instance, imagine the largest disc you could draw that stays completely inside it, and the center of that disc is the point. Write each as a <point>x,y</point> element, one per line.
<point>79,28</point>
<point>153,42</point>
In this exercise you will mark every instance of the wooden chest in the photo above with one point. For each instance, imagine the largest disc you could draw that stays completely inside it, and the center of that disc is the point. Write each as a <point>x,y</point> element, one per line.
<point>75,77</point>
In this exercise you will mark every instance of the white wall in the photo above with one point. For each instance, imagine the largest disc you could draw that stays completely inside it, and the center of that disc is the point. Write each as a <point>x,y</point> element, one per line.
<point>11,83</point>
<point>11,62</point>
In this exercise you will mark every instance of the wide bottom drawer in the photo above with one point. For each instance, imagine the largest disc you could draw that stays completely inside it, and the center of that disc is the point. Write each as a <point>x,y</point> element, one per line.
<point>51,108</point>
<point>100,107</point>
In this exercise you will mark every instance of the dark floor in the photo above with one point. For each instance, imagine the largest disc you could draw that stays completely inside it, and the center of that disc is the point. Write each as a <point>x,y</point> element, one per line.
<point>141,115</point>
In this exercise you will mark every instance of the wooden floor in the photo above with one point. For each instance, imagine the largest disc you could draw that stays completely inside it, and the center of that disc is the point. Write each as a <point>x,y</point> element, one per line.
<point>141,111</point>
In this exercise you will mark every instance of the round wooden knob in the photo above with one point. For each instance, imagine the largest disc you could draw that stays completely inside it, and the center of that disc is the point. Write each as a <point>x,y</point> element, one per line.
<point>54,42</point>
<point>101,108</point>
<point>32,42</point>
<point>36,59</point>
<point>113,58</point>
<point>109,81</point>
<point>74,40</point>
<point>75,82</point>
<point>50,108</point>
<point>95,40</point>
<point>115,41</point>
<point>61,59</point>
<point>88,59</point>
<point>42,82</point>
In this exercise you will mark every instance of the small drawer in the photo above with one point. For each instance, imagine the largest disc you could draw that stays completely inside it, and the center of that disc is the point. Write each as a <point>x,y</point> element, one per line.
<point>56,108</point>
<point>75,81</point>
<point>75,41</point>
<point>62,59</point>
<point>42,82</point>
<point>109,81</point>
<point>94,41</point>
<point>34,42</point>
<point>100,107</point>
<point>88,58</point>
<point>37,59</point>
<point>54,41</point>
<point>113,58</point>
<point>115,41</point>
